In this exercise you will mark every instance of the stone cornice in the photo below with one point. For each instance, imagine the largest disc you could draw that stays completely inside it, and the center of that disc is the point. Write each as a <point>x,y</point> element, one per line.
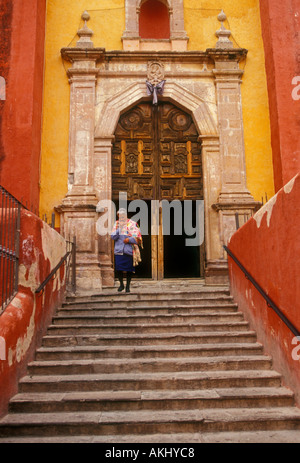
<point>211,55</point>
<point>186,56</point>
<point>73,54</point>
<point>234,54</point>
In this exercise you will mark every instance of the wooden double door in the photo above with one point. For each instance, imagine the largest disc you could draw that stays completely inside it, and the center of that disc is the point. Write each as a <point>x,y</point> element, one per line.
<point>156,157</point>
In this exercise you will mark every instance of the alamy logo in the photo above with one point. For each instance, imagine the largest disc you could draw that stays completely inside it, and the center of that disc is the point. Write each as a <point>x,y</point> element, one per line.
<point>296,90</point>
<point>188,218</point>
<point>296,350</point>
<point>2,348</point>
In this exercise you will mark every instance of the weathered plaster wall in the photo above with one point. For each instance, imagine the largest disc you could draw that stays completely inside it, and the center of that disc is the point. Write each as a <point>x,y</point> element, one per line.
<point>63,20</point>
<point>25,320</point>
<point>108,23</point>
<point>281,35</point>
<point>272,256</point>
<point>22,66</point>
<point>245,25</point>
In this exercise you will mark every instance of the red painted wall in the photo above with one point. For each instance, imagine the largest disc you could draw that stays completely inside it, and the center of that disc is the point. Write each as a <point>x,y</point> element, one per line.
<point>25,320</point>
<point>22,66</point>
<point>281,36</point>
<point>268,246</point>
<point>154,20</point>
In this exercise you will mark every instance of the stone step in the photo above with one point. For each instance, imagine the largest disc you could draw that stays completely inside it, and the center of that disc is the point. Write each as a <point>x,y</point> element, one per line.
<point>164,422</point>
<point>183,338</point>
<point>64,317</point>
<point>151,400</point>
<point>120,302</point>
<point>158,364</point>
<point>237,437</point>
<point>155,294</point>
<point>146,310</point>
<point>86,328</point>
<point>106,366</point>
<point>150,381</point>
<point>152,352</point>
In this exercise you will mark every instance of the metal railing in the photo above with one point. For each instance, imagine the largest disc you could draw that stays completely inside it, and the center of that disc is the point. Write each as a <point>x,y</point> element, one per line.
<point>10,218</point>
<point>69,259</point>
<point>268,300</point>
<point>10,222</point>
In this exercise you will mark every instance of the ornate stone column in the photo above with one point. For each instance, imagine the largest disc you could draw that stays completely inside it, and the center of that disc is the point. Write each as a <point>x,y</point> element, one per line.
<point>78,208</point>
<point>234,197</point>
<point>216,268</point>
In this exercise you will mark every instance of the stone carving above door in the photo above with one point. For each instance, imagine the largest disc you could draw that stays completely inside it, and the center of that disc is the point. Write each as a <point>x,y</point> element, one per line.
<point>156,72</point>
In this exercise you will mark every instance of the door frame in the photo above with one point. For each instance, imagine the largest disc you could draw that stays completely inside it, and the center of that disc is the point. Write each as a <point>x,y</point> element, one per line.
<point>156,229</point>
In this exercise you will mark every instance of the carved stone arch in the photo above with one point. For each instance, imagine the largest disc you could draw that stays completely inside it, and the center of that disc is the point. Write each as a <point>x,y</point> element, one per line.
<point>165,2</point>
<point>205,121</point>
<point>202,115</point>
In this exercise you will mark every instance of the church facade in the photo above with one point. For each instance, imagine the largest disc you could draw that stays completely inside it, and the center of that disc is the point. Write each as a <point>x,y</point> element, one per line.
<point>202,140</point>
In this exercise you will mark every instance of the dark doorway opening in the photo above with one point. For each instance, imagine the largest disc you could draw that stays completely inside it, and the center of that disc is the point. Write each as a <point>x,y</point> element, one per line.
<point>181,260</point>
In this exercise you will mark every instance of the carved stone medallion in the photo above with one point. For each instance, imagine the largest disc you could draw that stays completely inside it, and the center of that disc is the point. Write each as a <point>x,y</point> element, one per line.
<point>156,72</point>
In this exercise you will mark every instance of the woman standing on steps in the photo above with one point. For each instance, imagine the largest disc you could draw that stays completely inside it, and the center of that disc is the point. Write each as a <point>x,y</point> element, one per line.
<point>127,237</point>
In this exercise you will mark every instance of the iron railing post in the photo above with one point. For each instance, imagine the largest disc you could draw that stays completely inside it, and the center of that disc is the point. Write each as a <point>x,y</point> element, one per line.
<point>17,247</point>
<point>9,246</point>
<point>74,265</point>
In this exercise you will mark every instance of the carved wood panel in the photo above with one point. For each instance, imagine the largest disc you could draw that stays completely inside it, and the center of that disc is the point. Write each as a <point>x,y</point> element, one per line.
<point>156,154</point>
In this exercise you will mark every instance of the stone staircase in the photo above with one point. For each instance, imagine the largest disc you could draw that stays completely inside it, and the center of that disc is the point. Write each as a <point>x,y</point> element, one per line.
<point>169,362</point>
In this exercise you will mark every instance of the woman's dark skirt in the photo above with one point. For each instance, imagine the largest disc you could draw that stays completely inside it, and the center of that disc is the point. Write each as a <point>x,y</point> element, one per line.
<point>124,263</point>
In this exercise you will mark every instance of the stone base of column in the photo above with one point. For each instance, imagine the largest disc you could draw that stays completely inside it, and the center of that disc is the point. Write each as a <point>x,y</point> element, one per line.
<point>235,209</point>
<point>88,277</point>
<point>216,272</point>
<point>80,220</point>
<point>107,275</point>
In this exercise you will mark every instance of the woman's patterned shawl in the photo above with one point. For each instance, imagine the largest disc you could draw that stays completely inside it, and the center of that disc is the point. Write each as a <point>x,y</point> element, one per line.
<point>132,230</point>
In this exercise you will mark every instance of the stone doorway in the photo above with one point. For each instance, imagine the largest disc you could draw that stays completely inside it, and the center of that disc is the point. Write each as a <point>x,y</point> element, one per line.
<point>104,86</point>
<point>156,158</point>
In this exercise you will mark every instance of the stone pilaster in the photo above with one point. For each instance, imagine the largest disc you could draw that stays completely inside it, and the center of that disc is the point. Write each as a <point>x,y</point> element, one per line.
<point>102,181</point>
<point>234,197</point>
<point>78,208</point>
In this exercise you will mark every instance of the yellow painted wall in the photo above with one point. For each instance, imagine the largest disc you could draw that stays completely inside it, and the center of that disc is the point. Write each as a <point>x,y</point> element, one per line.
<point>63,21</point>
<point>108,23</point>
